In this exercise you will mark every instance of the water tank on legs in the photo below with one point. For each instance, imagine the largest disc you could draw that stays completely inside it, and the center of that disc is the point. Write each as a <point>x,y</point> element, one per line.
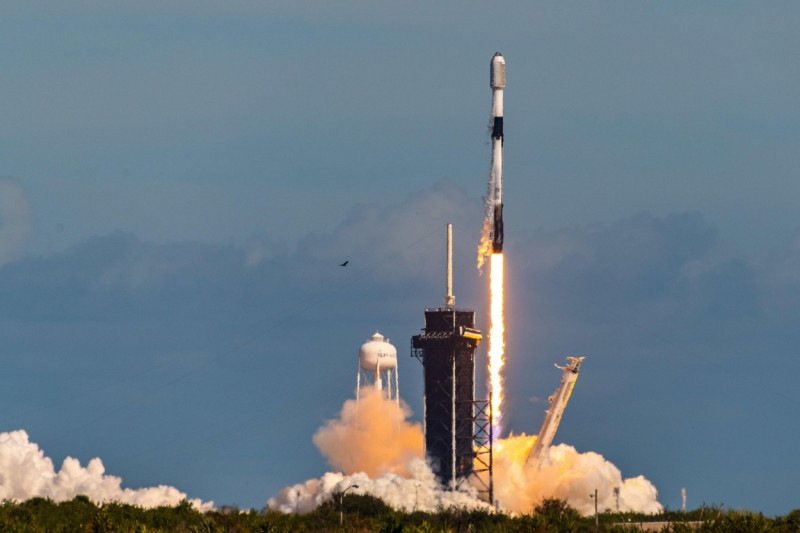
<point>377,363</point>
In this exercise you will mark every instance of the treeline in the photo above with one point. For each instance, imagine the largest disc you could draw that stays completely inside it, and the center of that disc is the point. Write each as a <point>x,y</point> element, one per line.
<point>362,513</point>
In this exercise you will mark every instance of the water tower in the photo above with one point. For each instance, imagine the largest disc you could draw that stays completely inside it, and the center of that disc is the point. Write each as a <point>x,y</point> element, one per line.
<point>377,364</point>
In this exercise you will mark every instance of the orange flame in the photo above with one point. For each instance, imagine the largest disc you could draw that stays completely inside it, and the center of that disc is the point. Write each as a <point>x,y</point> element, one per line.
<point>496,338</point>
<point>485,246</point>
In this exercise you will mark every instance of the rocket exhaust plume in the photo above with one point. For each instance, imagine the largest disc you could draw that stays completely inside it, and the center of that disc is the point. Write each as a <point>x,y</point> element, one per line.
<point>387,463</point>
<point>496,340</point>
<point>567,475</point>
<point>371,435</point>
<point>373,443</point>
<point>492,243</point>
<point>375,446</point>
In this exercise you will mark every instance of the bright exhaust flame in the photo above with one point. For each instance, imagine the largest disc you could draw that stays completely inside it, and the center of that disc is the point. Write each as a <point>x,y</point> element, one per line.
<point>496,327</point>
<point>496,340</point>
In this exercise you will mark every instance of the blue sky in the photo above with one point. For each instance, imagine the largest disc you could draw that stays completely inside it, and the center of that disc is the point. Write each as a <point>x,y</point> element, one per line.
<point>180,180</point>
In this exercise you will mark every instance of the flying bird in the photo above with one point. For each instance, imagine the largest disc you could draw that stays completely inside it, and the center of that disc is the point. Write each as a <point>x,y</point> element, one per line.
<point>344,264</point>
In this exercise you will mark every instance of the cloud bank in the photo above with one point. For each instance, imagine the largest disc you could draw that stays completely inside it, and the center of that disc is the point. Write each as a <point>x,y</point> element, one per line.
<point>17,221</point>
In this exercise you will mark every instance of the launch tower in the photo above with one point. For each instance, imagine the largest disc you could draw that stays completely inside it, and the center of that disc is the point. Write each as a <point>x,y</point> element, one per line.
<point>458,428</point>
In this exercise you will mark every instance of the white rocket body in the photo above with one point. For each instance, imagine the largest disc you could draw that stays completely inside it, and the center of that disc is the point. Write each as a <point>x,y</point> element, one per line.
<point>497,81</point>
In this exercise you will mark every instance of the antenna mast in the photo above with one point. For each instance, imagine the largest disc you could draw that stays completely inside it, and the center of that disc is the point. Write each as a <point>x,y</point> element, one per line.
<point>449,299</point>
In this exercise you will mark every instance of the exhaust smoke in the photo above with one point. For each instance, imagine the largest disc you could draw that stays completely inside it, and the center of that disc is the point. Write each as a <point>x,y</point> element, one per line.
<point>371,435</point>
<point>383,456</point>
<point>567,475</point>
<point>25,472</point>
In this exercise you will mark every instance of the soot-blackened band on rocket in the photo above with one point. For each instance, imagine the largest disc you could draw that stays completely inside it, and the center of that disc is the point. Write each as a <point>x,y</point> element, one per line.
<point>497,129</point>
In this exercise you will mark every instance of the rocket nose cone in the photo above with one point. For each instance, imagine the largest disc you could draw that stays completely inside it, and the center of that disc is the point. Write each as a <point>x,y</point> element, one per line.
<point>497,72</point>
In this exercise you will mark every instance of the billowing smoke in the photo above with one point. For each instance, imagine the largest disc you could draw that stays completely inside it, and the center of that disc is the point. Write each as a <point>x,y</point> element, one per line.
<point>378,449</point>
<point>567,475</point>
<point>418,491</point>
<point>25,472</point>
<point>371,436</point>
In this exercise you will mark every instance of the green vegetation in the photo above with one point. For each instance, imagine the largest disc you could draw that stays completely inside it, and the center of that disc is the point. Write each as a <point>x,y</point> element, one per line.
<point>361,514</point>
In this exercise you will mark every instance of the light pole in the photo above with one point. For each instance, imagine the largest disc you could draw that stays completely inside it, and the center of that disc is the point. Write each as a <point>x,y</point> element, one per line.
<point>341,497</point>
<point>596,522</point>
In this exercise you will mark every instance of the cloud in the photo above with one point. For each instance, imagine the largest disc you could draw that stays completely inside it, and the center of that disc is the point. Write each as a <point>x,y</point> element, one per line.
<point>637,258</point>
<point>398,240</point>
<point>396,246</point>
<point>17,221</point>
<point>663,275</point>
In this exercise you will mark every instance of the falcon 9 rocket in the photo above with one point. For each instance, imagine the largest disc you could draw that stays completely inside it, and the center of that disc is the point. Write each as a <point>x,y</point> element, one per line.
<point>497,81</point>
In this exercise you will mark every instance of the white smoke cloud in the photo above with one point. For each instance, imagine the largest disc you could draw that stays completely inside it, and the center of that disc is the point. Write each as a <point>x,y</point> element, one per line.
<point>17,221</point>
<point>420,491</point>
<point>379,450</point>
<point>25,473</point>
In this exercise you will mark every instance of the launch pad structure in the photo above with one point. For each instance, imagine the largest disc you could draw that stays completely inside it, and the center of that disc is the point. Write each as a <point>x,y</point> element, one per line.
<point>458,428</point>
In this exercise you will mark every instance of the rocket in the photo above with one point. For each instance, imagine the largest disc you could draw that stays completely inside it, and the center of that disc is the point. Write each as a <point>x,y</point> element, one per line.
<point>497,81</point>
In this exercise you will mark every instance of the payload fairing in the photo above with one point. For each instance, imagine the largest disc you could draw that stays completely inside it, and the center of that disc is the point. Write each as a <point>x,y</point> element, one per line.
<point>497,81</point>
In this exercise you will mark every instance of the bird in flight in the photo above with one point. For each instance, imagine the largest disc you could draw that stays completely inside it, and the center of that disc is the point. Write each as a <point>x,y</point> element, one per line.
<point>344,264</point>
